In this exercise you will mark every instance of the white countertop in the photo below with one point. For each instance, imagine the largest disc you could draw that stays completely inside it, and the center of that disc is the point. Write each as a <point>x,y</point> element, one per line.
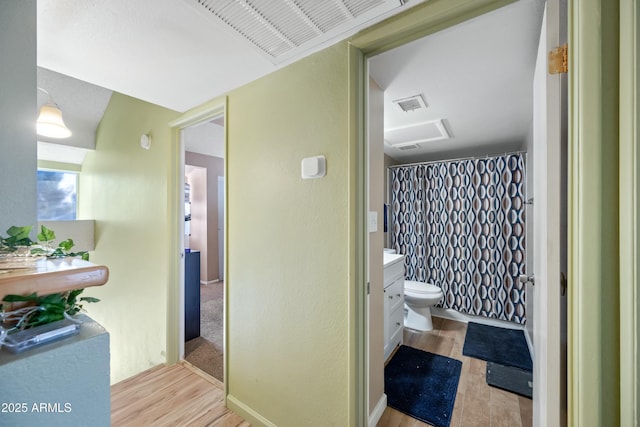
<point>390,259</point>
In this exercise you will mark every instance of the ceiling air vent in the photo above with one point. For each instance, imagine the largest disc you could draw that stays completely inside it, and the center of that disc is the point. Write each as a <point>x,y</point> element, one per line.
<point>284,30</point>
<point>411,103</point>
<point>408,147</point>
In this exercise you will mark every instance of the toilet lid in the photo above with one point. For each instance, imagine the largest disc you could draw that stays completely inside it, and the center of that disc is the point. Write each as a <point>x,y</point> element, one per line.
<point>421,288</point>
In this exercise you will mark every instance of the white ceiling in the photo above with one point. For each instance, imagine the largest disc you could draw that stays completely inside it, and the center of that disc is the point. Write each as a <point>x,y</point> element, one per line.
<point>166,52</point>
<point>169,53</point>
<point>477,77</point>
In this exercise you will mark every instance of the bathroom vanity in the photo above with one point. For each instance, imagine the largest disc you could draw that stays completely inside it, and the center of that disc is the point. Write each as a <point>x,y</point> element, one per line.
<point>393,302</point>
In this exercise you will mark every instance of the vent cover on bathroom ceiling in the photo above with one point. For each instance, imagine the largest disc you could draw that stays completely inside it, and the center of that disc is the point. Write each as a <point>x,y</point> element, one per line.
<point>284,29</point>
<point>411,103</point>
<point>433,130</point>
<point>408,147</point>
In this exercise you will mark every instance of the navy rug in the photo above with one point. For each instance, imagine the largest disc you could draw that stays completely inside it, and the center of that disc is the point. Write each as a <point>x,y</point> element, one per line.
<point>422,385</point>
<point>507,347</point>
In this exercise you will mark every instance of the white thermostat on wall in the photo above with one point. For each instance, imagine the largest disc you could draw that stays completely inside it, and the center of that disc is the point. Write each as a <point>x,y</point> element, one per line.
<point>314,167</point>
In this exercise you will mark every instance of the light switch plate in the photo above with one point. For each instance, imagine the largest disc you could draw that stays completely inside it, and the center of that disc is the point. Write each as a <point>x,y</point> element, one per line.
<point>373,222</point>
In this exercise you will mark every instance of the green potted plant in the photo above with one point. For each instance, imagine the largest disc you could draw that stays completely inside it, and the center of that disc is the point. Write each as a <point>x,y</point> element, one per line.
<point>22,312</point>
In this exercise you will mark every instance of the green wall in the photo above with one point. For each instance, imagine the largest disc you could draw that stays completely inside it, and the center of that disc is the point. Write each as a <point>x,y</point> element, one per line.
<point>125,189</point>
<point>288,246</point>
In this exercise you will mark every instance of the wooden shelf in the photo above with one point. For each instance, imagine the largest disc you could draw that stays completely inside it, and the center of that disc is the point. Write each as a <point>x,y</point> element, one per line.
<point>52,276</point>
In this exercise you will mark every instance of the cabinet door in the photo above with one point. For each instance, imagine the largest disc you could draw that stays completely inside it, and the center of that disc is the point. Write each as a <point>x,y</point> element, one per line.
<point>395,294</point>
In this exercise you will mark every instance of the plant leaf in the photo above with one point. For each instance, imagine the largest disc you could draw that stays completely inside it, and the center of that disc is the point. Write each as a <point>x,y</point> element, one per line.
<point>46,234</point>
<point>66,244</point>
<point>38,251</point>
<point>89,299</point>
<point>19,233</point>
<point>20,298</point>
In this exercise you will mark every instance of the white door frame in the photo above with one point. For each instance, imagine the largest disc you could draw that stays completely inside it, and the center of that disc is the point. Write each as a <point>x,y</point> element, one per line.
<point>175,318</point>
<point>370,46</point>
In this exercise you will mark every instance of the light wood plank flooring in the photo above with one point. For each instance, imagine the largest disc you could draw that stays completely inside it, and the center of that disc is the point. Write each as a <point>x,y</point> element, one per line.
<point>177,395</point>
<point>477,404</point>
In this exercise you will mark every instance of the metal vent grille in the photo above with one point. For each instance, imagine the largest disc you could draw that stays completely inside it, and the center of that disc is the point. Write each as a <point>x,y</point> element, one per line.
<point>411,103</point>
<point>408,147</point>
<point>282,29</point>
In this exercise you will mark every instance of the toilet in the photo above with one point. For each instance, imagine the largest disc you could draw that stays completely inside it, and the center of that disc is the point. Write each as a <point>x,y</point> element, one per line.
<point>419,297</point>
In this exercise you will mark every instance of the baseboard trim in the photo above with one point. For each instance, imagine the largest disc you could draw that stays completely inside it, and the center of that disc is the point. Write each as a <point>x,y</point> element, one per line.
<point>448,313</point>
<point>247,413</point>
<point>376,414</point>
<point>209,282</point>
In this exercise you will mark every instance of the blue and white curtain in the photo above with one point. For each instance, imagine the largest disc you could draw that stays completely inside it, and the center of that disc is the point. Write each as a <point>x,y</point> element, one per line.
<point>461,226</point>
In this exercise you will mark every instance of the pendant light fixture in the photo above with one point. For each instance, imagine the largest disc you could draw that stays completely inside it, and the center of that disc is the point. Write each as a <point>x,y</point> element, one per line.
<point>50,121</point>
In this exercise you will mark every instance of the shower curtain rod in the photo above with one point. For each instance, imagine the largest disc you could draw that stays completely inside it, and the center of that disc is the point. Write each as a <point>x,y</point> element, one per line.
<point>458,159</point>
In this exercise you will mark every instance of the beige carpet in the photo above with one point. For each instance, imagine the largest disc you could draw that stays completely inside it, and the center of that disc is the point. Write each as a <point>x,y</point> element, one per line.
<point>206,351</point>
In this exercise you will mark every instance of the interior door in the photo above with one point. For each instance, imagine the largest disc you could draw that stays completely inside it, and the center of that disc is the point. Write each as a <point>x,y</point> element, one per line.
<point>549,216</point>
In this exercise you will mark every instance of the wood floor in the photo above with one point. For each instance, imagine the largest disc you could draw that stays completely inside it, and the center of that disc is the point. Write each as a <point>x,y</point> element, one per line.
<point>177,395</point>
<point>181,395</point>
<point>477,404</point>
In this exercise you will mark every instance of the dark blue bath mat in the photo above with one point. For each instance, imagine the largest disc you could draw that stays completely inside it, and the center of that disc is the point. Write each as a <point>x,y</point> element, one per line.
<point>511,379</point>
<point>503,346</point>
<point>422,385</point>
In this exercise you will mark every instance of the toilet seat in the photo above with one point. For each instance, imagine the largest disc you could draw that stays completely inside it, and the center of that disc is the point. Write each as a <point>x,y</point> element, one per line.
<point>421,289</point>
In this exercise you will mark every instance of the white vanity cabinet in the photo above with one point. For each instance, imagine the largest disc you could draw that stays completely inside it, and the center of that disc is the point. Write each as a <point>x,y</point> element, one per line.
<point>393,302</point>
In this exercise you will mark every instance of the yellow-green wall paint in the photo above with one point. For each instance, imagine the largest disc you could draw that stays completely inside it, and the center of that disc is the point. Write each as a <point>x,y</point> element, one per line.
<point>629,204</point>
<point>289,290</point>
<point>125,189</point>
<point>594,275</point>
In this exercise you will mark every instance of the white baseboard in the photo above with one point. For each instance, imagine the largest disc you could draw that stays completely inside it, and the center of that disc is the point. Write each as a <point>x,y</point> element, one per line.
<point>210,282</point>
<point>376,414</point>
<point>448,313</point>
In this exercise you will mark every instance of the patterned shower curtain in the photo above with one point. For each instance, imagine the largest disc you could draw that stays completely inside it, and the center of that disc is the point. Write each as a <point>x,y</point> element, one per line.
<point>460,225</point>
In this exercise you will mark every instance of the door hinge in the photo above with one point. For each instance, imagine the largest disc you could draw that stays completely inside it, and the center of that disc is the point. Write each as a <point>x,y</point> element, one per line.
<point>559,60</point>
<point>368,288</point>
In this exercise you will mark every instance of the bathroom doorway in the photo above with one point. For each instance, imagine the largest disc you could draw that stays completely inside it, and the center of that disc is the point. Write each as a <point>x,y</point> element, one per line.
<point>204,238</point>
<point>440,143</point>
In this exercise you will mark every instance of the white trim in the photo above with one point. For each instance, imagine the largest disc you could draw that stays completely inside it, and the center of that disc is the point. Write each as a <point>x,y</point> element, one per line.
<point>376,414</point>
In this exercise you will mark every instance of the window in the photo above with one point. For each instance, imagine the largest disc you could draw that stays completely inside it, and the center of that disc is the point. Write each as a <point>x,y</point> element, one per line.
<point>57,195</point>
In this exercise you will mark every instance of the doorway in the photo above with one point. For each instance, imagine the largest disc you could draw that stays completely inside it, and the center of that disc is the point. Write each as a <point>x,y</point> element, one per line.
<point>204,171</point>
<point>447,151</point>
